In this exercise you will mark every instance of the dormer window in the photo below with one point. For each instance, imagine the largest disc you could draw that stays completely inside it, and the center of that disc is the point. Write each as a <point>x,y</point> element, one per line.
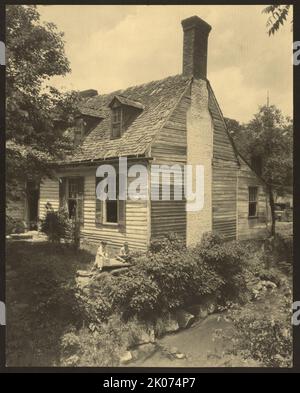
<point>85,121</point>
<point>117,115</point>
<point>123,112</point>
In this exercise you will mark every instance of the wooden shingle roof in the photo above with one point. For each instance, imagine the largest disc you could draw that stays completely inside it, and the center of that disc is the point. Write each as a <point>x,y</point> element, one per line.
<point>157,98</point>
<point>90,112</point>
<point>126,101</point>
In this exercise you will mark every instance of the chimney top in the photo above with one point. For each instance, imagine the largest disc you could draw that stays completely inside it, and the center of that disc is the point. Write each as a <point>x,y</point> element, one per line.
<point>195,41</point>
<point>196,23</point>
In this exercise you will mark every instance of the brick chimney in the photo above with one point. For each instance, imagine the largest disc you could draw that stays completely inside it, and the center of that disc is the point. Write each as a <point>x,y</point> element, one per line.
<point>195,39</point>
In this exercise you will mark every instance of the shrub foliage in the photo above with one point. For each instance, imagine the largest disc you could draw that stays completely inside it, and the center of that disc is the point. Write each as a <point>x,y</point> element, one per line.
<point>266,338</point>
<point>169,276</point>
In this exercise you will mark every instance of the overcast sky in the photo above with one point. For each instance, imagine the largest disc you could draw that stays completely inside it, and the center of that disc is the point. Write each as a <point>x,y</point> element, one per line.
<point>113,47</point>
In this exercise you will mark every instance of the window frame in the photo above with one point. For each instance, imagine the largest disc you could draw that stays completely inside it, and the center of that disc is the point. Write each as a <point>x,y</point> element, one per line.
<point>78,199</point>
<point>105,222</point>
<point>253,201</point>
<point>101,211</point>
<point>119,123</point>
<point>104,206</point>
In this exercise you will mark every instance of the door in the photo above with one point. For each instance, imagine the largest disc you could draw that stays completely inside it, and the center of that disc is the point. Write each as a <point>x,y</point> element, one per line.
<point>33,194</point>
<point>71,194</point>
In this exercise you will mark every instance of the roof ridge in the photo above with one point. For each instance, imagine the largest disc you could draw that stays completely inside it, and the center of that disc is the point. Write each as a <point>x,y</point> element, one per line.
<point>119,92</point>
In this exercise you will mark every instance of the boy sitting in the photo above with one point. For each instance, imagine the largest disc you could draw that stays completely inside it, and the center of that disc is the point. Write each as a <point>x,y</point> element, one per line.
<point>124,254</point>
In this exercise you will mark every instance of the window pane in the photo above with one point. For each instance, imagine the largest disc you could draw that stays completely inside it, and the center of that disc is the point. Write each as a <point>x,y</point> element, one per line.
<point>116,122</point>
<point>75,198</point>
<point>73,188</point>
<point>252,194</point>
<point>72,204</point>
<point>117,115</point>
<point>252,209</point>
<point>98,207</point>
<point>116,130</point>
<point>111,211</point>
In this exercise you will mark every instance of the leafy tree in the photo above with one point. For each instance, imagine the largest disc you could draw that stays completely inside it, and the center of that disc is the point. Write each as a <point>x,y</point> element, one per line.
<point>277,16</point>
<point>269,137</point>
<point>234,127</point>
<point>36,114</point>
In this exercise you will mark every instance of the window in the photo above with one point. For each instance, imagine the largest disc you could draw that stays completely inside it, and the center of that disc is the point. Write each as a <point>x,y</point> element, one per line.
<point>71,196</point>
<point>252,201</point>
<point>110,208</point>
<point>124,111</point>
<point>79,130</point>
<point>110,212</point>
<point>116,122</point>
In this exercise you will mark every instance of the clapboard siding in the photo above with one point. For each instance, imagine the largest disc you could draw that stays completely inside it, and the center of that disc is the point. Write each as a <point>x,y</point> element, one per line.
<point>167,216</point>
<point>171,142</point>
<point>224,175</point>
<point>170,148</point>
<point>224,199</point>
<point>49,193</point>
<point>137,213</point>
<point>223,147</point>
<point>251,227</point>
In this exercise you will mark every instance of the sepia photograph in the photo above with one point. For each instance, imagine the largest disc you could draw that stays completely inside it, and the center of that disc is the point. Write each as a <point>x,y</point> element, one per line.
<point>149,186</point>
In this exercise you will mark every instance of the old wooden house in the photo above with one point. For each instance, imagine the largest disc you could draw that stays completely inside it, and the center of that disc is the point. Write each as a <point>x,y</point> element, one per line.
<point>176,120</point>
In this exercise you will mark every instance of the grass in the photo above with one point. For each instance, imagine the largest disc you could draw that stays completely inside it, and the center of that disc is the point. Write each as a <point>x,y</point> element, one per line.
<point>39,277</point>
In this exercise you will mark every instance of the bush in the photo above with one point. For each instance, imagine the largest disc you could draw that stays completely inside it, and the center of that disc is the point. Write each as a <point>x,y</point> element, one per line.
<point>158,282</point>
<point>95,308</point>
<point>70,344</point>
<point>161,281</point>
<point>132,293</point>
<point>230,261</point>
<point>168,277</point>
<point>56,224</point>
<point>181,277</point>
<point>101,348</point>
<point>263,338</point>
<point>168,244</point>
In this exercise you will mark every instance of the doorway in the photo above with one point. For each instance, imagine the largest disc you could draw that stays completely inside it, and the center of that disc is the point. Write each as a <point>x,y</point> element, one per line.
<point>33,195</point>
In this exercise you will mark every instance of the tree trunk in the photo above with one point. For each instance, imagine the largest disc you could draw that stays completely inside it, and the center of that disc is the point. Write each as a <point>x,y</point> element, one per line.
<point>272,206</point>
